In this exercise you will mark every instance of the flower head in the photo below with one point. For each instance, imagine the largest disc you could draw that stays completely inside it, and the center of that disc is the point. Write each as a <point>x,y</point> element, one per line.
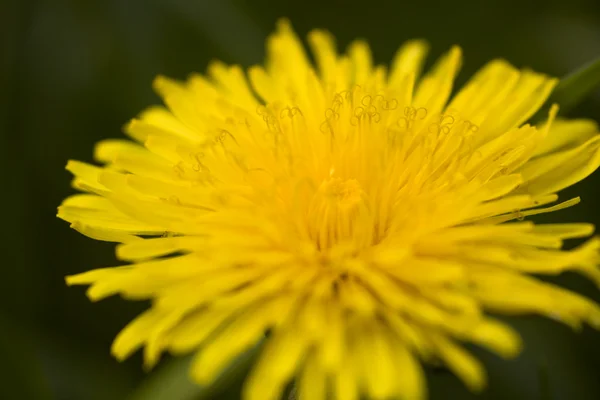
<point>351,215</point>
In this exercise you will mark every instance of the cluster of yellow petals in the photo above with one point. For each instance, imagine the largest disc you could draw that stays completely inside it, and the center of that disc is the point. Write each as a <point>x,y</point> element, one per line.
<point>353,218</point>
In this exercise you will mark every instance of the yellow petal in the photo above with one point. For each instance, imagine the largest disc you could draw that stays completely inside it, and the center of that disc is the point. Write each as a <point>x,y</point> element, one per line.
<point>411,379</point>
<point>195,328</point>
<point>566,134</point>
<point>156,247</point>
<point>529,295</point>
<point>484,91</point>
<point>105,235</point>
<point>362,62</point>
<point>244,332</point>
<point>344,383</point>
<point>136,333</point>
<point>277,364</point>
<point>408,61</point>
<point>529,93</point>
<point>498,337</point>
<point>313,380</point>
<point>374,361</point>
<point>556,171</point>
<point>468,369</point>
<point>323,47</point>
<point>435,87</point>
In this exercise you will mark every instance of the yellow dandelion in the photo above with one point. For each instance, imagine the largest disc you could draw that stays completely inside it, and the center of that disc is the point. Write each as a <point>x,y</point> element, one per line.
<point>352,217</point>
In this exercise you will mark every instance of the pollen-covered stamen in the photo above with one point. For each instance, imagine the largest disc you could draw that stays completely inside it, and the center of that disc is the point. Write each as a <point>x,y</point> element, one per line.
<point>337,208</point>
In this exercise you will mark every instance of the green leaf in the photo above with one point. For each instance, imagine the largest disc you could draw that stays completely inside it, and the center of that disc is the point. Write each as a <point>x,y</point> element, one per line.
<point>573,89</point>
<point>173,382</point>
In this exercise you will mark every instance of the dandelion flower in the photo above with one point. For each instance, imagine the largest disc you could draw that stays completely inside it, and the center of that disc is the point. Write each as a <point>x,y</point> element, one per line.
<point>353,217</point>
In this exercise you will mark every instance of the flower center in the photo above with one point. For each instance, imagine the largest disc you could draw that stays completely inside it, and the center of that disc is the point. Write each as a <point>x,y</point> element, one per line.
<point>337,209</point>
<point>345,194</point>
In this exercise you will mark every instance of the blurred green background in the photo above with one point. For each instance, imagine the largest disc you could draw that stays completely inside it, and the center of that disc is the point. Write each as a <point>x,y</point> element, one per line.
<point>73,72</point>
